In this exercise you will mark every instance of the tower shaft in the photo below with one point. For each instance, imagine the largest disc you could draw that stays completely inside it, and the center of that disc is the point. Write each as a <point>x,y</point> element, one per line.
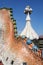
<point>28,31</point>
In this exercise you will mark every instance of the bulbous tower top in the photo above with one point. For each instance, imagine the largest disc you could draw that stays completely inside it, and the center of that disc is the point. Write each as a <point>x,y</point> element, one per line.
<point>28,10</point>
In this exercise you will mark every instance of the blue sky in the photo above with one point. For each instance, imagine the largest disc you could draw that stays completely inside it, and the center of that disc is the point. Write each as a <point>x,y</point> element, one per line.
<point>18,13</point>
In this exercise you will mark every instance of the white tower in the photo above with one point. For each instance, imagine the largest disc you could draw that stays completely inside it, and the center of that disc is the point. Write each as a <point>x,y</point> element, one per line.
<point>28,31</point>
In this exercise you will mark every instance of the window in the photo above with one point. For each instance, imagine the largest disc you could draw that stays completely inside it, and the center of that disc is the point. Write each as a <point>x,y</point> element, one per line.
<point>24,63</point>
<point>12,62</point>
